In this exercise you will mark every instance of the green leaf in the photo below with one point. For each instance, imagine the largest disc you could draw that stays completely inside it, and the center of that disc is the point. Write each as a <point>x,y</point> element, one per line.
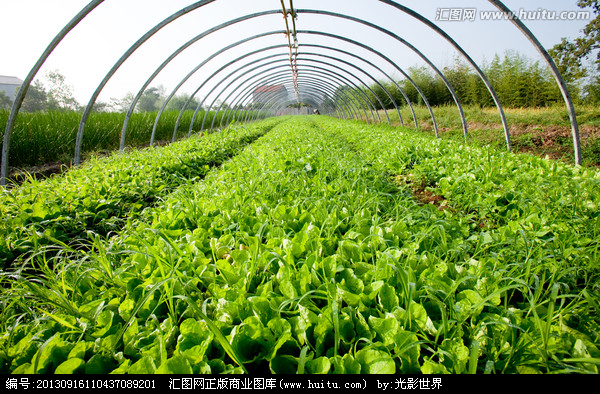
<point>388,298</point>
<point>251,340</point>
<point>408,350</point>
<point>458,354</point>
<point>345,365</point>
<point>100,364</point>
<point>52,353</point>
<point>351,251</point>
<point>80,350</point>
<point>104,322</point>
<point>284,364</point>
<point>469,303</point>
<point>261,307</point>
<point>177,365</point>
<point>386,328</point>
<point>71,366</point>
<point>328,266</point>
<point>282,331</point>
<point>320,365</point>
<point>527,370</point>
<point>299,243</point>
<point>194,340</point>
<point>432,368</point>
<point>126,309</point>
<point>144,366</point>
<point>418,314</point>
<point>240,257</point>
<point>375,361</point>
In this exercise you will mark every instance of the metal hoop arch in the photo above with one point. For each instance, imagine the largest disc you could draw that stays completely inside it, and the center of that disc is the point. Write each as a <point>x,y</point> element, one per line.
<point>92,5</point>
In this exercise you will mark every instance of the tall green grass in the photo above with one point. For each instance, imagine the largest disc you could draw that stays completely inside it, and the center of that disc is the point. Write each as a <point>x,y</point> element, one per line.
<point>541,131</point>
<point>49,137</point>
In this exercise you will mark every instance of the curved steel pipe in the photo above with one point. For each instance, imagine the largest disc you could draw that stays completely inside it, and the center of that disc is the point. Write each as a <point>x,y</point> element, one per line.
<point>277,106</point>
<point>343,80</point>
<point>333,75</point>
<point>334,100</point>
<point>322,93</point>
<point>215,73</point>
<point>557,75</point>
<point>119,63</point>
<point>324,84</point>
<point>182,48</point>
<point>425,100</point>
<point>408,78</point>
<point>481,74</point>
<point>218,84</point>
<point>198,67</point>
<point>218,71</point>
<point>337,78</point>
<point>281,66</point>
<point>29,79</point>
<point>311,85</point>
<point>309,32</point>
<point>378,69</point>
<point>326,89</point>
<point>408,45</point>
<point>370,76</point>
<point>232,73</point>
<point>93,4</point>
<point>304,80</point>
<point>331,65</point>
<point>378,83</point>
<point>328,48</point>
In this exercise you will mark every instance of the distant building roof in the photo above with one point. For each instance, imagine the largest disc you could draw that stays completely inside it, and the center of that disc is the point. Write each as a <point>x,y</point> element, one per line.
<point>6,80</point>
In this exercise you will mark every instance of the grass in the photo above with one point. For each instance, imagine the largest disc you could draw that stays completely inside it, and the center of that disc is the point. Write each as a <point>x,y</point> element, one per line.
<point>43,143</point>
<point>538,131</point>
<point>309,251</point>
<point>105,192</point>
<point>47,139</point>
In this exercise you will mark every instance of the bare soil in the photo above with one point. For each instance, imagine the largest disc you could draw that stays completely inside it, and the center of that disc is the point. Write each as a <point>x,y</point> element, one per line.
<point>554,141</point>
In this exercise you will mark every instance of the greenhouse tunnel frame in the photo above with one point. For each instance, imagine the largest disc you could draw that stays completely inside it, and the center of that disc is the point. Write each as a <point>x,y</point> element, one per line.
<point>92,5</point>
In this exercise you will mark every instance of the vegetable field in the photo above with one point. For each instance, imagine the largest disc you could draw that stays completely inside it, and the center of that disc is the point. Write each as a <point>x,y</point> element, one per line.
<point>304,245</point>
<point>49,137</point>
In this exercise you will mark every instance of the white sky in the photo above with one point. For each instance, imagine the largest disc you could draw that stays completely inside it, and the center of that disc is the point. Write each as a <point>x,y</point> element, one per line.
<point>92,48</point>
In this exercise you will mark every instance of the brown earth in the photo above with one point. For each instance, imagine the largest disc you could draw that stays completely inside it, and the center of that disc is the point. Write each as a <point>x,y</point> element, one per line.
<point>554,141</point>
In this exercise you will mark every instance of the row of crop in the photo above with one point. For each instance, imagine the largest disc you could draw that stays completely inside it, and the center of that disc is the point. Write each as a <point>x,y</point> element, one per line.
<point>305,253</point>
<point>49,137</point>
<point>241,269</point>
<point>506,194</point>
<point>535,228</point>
<point>99,196</point>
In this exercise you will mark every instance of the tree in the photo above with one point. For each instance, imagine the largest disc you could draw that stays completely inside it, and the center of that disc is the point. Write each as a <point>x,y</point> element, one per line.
<point>60,94</point>
<point>177,102</point>
<point>151,99</point>
<point>36,98</point>
<point>569,55</point>
<point>56,96</point>
<point>5,101</point>
<point>115,104</point>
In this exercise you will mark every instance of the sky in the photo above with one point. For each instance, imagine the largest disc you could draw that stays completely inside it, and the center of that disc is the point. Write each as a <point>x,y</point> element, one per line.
<point>89,51</point>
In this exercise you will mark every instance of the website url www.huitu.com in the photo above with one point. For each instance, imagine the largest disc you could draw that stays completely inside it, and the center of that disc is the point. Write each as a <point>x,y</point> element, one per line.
<point>471,14</point>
